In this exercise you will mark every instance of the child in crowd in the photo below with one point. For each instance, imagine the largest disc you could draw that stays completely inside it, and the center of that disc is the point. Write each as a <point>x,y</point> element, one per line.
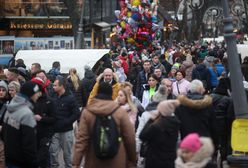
<point>195,152</point>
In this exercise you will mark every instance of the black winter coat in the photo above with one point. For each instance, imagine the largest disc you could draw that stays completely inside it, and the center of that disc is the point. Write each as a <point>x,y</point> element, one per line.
<point>161,135</point>
<point>86,86</point>
<point>67,112</point>
<point>197,115</point>
<point>77,93</point>
<point>46,108</point>
<point>223,109</point>
<point>201,72</point>
<point>141,80</point>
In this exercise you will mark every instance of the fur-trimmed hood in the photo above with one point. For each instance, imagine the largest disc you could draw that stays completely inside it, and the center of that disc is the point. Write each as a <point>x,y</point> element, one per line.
<point>200,159</point>
<point>195,101</point>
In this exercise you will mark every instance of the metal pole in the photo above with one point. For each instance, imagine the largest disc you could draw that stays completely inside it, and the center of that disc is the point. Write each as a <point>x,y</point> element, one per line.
<point>238,92</point>
<point>246,14</point>
<point>80,34</point>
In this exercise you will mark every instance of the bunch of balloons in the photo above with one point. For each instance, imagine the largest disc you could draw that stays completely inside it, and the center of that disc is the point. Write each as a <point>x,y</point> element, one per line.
<point>137,23</point>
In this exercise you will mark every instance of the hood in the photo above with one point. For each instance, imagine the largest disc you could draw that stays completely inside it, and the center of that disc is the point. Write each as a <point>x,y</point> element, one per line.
<point>195,101</point>
<point>17,102</point>
<point>89,74</point>
<point>188,63</point>
<point>206,150</point>
<point>200,67</point>
<point>200,159</point>
<point>102,107</point>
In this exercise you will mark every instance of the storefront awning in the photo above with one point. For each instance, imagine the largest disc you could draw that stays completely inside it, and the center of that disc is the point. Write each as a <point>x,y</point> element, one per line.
<point>103,25</point>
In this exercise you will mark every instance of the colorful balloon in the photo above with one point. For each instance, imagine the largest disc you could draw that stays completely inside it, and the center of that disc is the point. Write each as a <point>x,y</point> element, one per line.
<point>135,2</point>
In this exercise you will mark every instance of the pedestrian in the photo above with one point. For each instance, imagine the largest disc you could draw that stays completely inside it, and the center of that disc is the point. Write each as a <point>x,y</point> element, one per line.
<point>87,84</point>
<point>19,128</point>
<point>14,88</point>
<point>195,152</point>
<point>74,85</point>
<point>48,85</point>
<point>44,113</point>
<point>66,114</point>
<point>4,100</point>
<point>102,105</point>
<point>161,134</point>
<point>149,89</point>
<point>12,75</point>
<point>124,99</point>
<point>181,85</point>
<point>106,76</point>
<point>151,109</point>
<point>196,112</point>
<point>142,79</point>
<point>35,67</point>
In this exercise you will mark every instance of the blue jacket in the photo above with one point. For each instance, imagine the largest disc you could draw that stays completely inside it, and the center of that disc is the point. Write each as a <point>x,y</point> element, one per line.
<point>67,112</point>
<point>214,75</point>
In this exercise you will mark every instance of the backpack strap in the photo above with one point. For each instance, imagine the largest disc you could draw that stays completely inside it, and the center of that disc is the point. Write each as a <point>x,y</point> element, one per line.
<point>114,110</point>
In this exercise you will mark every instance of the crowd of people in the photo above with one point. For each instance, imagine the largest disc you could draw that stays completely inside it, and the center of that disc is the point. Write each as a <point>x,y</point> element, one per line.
<point>173,108</point>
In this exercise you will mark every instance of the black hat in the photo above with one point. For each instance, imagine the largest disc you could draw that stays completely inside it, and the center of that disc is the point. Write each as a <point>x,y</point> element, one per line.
<point>14,70</point>
<point>22,71</point>
<point>105,89</point>
<point>30,88</point>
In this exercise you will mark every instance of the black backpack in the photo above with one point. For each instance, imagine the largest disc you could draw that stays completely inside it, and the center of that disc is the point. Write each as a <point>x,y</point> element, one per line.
<point>106,136</point>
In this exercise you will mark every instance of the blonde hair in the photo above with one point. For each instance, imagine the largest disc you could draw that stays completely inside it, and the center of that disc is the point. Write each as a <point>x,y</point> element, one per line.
<point>74,78</point>
<point>129,99</point>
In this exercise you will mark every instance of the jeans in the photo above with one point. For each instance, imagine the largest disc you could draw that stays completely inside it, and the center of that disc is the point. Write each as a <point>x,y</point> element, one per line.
<point>62,141</point>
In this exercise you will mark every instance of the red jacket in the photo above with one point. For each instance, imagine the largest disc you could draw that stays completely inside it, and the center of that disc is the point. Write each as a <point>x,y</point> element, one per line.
<point>124,64</point>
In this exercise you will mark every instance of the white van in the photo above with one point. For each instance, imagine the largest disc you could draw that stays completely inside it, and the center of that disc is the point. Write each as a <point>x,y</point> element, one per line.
<point>67,58</point>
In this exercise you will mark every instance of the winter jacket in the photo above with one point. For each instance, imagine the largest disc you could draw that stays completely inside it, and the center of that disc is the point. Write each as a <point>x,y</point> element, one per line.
<point>244,68</point>
<point>84,148</point>
<point>197,115</point>
<point>180,87</point>
<point>77,93</point>
<point>146,97</point>
<point>86,85</point>
<point>115,88</point>
<point>161,136</point>
<point>67,111</point>
<point>201,159</point>
<point>141,80</point>
<point>201,72</point>
<point>215,75</point>
<point>160,66</point>
<point>188,66</point>
<point>46,108</point>
<point>19,133</point>
<point>145,117</point>
<point>124,64</point>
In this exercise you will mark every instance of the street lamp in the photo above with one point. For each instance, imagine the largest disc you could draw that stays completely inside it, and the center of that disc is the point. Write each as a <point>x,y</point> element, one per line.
<point>238,92</point>
<point>195,5</point>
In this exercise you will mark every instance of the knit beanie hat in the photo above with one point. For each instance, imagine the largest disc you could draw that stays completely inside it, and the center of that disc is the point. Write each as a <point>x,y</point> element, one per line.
<point>40,82</point>
<point>4,85</point>
<point>15,85</point>
<point>30,88</point>
<point>167,107</point>
<point>105,89</point>
<point>160,94</point>
<point>191,142</point>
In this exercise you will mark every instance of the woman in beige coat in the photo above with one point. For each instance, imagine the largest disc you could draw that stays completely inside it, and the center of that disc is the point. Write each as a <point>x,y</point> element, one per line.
<point>103,104</point>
